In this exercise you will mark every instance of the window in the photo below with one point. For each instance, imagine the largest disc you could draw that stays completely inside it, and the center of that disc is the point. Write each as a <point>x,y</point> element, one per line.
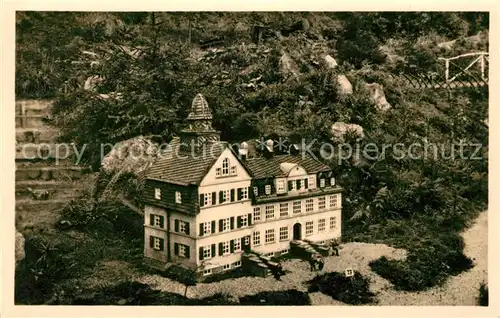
<point>182,227</point>
<point>225,167</point>
<point>349,272</point>
<point>333,223</point>
<point>225,248</point>
<point>270,254</point>
<point>244,220</point>
<point>321,183</point>
<point>247,240</point>
<point>299,184</point>
<point>309,205</point>
<point>237,264</point>
<point>207,272</point>
<point>233,170</point>
<point>268,189</point>
<point>207,228</point>
<point>333,201</point>
<point>309,228</point>
<point>269,212</point>
<point>226,267</point>
<point>182,250</point>
<point>207,252</point>
<point>269,236</point>
<point>178,197</point>
<point>207,199</point>
<point>321,225</point>
<point>157,193</point>
<point>157,243</point>
<point>321,203</point>
<point>218,172</point>
<point>284,233</point>
<point>255,191</point>
<point>157,220</point>
<point>244,193</point>
<point>256,214</point>
<point>226,224</point>
<point>237,245</point>
<point>297,207</point>
<point>283,209</point>
<point>283,252</point>
<point>281,186</point>
<point>332,181</point>
<point>256,238</point>
<point>312,182</point>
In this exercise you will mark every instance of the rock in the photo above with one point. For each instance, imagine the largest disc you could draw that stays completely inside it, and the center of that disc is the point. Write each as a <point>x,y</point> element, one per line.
<point>134,155</point>
<point>92,82</point>
<point>20,254</point>
<point>330,61</point>
<point>377,95</point>
<point>344,87</point>
<point>340,129</point>
<point>288,66</point>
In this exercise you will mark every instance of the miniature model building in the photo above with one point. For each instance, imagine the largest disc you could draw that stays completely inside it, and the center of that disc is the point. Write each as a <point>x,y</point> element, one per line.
<point>209,204</point>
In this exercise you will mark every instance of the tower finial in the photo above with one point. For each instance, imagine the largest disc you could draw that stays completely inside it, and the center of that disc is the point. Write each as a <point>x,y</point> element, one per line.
<point>199,109</point>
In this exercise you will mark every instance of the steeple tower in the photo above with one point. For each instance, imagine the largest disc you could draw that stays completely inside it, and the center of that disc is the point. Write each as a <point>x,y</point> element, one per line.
<point>199,130</point>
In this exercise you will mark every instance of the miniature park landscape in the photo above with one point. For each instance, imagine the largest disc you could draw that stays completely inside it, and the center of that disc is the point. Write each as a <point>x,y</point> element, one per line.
<point>413,231</point>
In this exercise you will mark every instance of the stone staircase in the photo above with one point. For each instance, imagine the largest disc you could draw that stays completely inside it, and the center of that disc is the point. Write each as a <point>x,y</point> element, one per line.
<point>257,264</point>
<point>307,249</point>
<point>46,176</point>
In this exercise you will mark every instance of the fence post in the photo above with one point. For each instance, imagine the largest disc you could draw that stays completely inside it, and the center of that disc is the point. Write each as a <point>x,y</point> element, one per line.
<point>482,66</point>
<point>447,71</point>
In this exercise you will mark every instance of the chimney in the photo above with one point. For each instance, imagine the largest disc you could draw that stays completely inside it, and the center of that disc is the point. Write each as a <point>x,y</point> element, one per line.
<point>269,149</point>
<point>243,151</point>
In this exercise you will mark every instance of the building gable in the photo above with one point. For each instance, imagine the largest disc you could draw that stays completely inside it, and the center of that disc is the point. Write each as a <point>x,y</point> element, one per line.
<point>227,168</point>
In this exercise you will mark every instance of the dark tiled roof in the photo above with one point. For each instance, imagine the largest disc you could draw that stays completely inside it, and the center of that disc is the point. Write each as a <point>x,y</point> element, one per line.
<point>184,168</point>
<point>199,108</point>
<point>262,167</point>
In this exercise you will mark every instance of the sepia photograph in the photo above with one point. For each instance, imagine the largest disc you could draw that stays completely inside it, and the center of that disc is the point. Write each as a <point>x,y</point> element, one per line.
<point>265,158</point>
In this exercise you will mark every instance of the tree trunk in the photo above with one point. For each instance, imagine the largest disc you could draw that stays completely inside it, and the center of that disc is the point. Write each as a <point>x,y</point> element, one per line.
<point>185,291</point>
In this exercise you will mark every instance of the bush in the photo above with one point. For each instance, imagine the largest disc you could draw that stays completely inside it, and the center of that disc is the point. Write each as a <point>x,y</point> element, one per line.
<point>291,297</point>
<point>353,290</point>
<point>483,295</point>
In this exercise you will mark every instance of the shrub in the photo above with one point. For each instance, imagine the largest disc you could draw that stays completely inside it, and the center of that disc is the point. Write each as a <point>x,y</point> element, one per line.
<point>353,290</point>
<point>483,295</point>
<point>291,297</point>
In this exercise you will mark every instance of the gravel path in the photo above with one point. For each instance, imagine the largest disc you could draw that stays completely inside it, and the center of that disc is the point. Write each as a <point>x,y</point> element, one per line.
<point>458,290</point>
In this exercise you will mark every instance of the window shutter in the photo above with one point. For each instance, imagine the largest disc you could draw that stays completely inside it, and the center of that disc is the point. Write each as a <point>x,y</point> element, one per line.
<point>232,195</point>
<point>213,227</point>
<point>238,222</point>
<point>176,248</point>
<point>221,197</point>
<point>151,219</point>
<point>231,246</point>
<point>306,184</point>
<point>162,221</point>
<point>232,223</point>
<point>202,200</point>
<point>200,251</point>
<point>290,185</point>
<point>151,241</point>
<point>214,198</point>
<point>201,229</point>
<point>249,219</point>
<point>239,194</point>
<point>298,184</point>
<point>187,251</point>
<point>221,249</point>
<point>161,244</point>
<point>187,227</point>
<point>213,250</point>
<point>220,225</point>
<point>176,225</point>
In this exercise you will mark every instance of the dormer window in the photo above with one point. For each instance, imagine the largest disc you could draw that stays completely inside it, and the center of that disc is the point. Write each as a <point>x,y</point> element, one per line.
<point>321,183</point>
<point>255,191</point>
<point>225,167</point>
<point>268,189</point>
<point>157,193</point>
<point>332,181</point>
<point>178,197</point>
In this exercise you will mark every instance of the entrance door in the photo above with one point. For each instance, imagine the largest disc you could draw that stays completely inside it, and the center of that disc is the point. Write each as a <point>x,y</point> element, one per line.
<point>297,231</point>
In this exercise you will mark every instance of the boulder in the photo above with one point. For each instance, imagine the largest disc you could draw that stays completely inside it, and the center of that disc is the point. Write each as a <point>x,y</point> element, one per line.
<point>344,87</point>
<point>134,155</point>
<point>288,66</point>
<point>377,95</point>
<point>20,254</point>
<point>330,61</point>
<point>340,129</point>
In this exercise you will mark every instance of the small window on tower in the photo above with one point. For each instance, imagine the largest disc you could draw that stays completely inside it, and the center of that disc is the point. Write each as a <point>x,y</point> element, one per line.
<point>268,189</point>
<point>157,193</point>
<point>321,183</point>
<point>332,181</point>
<point>178,197</point>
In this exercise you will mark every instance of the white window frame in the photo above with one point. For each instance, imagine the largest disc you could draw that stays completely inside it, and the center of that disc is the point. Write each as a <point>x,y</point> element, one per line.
<point>226,224</point>
<point>270,237</point>
<point>207,227</point>
<point>321,203</point>
<point>207,252</point>
<point>244,220</point>
<point>332,181</point>
<point>157,220</point>
<point>236,264</point>
<point>247,240</point>
<point>284,209</point>
<point>267,188</point>
<point>244,193</point>
<point>156,243</point>
<point>218,172</point>
<point>322,183</point>
<point>182,227</point>
<point>157,193</point>
<point>256,191</point>
<point>237,245</point>
<point>270,212</point>
<point>207,198</point>
<point>333,222</point>
<point>309,205</point>
<point>280,186</point>
<point>321,225</point>
<point>285,251</point>
<point>178,197</point>
<point>207,272</point>
<point>225,246</point>
<point>233,170</point>
<point>182,250</point>
<point>309,228</point>
<point>334,201</point>
<point>225,167</point>
<point>284,235</point>
<point>294,207</point>
<point>257,216</point>
<point>226,267</point>
<point>312,182</point>
<point>256,238</point>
